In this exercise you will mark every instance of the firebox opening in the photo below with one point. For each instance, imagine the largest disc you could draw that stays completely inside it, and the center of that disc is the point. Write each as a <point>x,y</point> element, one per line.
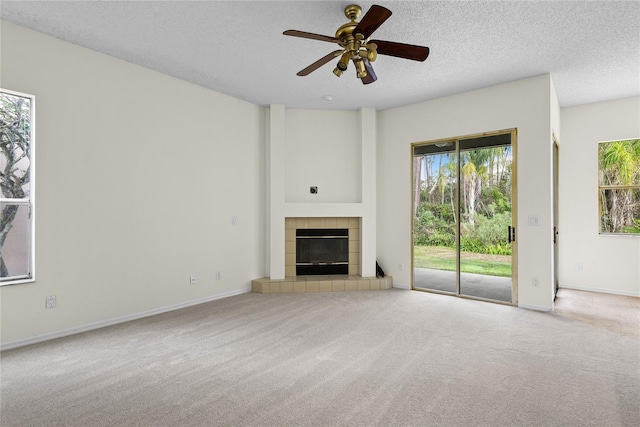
<point>322,251</point>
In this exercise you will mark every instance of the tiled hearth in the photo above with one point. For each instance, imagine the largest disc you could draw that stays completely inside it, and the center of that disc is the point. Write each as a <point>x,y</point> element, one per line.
<point>321,284</point>
<point>324,283</point>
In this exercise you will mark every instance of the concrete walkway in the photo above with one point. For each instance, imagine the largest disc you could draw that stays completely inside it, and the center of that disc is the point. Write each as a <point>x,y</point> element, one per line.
<point>475,285</point>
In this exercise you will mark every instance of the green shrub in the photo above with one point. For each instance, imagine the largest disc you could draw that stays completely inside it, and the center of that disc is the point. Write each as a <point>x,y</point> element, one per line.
<point>491,230</point>
<point>434,226</point>
<point>499,249</point>
<point>468,244</point>
<point>500,201</point>
<point>635,228</point>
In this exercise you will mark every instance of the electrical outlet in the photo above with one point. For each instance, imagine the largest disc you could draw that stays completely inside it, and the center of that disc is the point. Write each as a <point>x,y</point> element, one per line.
<point>218,275</point>
<point>534,282</point>
<point>192,280</point>
<point>401,267</point>
<point>50,301</point>
<point>580,267</point>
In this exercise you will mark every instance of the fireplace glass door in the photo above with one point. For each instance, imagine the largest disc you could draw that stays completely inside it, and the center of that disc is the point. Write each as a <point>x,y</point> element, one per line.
<point>322,251</point>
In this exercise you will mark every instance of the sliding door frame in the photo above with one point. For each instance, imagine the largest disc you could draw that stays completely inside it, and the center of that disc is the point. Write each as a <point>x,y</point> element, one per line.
<point>514,210</point>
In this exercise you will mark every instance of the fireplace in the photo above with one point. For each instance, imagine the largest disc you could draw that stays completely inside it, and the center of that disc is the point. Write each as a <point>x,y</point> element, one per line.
<point>322,251</point>
<point>294,224</point>
<point>293,282</point>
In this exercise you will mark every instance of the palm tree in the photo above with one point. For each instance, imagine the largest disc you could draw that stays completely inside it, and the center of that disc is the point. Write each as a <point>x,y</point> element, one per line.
<point>473,169</point>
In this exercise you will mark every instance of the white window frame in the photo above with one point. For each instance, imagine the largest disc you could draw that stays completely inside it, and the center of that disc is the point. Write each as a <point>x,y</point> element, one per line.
<point>28,201</point>
<point>612,187</point>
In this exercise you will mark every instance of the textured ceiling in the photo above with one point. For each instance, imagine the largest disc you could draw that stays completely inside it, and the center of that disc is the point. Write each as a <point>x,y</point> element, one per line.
<point>591,48</point>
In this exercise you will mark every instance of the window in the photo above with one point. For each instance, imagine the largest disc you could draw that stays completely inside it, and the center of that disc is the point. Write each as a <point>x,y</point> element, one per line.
<point>619,186</point>
<point>17,128</point>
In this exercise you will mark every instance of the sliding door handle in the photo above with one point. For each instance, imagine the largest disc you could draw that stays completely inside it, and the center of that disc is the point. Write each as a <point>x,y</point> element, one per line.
<point>512,234</point>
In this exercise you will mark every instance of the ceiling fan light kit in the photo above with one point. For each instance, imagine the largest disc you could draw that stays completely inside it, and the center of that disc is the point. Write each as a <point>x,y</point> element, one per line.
<point>353,39</point>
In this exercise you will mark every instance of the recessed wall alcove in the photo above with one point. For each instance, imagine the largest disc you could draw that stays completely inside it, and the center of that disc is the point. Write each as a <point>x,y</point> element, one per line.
<point>346,195</point>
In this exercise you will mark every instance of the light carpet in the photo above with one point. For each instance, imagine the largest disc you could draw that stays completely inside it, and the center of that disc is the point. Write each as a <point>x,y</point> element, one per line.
<point>391,357</point>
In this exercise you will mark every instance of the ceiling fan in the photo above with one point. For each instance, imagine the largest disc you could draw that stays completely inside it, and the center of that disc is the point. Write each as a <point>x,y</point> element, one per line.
<point>355,46</point>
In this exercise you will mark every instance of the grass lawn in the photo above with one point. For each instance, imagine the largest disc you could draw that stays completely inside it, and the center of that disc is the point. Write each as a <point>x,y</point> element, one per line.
<point>441,258</point>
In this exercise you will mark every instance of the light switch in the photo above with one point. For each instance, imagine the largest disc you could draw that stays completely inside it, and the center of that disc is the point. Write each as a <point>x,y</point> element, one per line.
<point>534,220</point>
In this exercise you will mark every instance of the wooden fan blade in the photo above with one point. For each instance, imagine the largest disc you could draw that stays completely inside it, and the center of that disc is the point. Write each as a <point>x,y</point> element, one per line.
<point>319,63</point>
<point>312,36</point>
<point>370,22</point>
<point>371,75</point>
<point>402,50</point>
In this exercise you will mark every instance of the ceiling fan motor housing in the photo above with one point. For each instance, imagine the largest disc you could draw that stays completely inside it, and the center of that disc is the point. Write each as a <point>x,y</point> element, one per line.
<point>353,44</point>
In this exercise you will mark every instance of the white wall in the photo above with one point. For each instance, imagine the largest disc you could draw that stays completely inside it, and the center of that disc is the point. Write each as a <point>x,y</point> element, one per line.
<point>138,178</point>
<point>323,149</point>
<point>609,263</point>
<point>525,105</point>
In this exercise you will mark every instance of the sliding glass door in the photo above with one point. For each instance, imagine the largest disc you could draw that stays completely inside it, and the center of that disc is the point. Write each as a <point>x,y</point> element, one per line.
<point>463,216</point>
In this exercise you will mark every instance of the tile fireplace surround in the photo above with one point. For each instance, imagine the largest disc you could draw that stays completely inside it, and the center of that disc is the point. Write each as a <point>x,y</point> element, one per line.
<point>321,283</point>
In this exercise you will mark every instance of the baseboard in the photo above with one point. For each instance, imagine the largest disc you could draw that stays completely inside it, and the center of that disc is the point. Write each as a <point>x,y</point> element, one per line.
<point>603,291</point>
<point>535,307</point>
<point>114,321</point>
<point>407,287</point>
